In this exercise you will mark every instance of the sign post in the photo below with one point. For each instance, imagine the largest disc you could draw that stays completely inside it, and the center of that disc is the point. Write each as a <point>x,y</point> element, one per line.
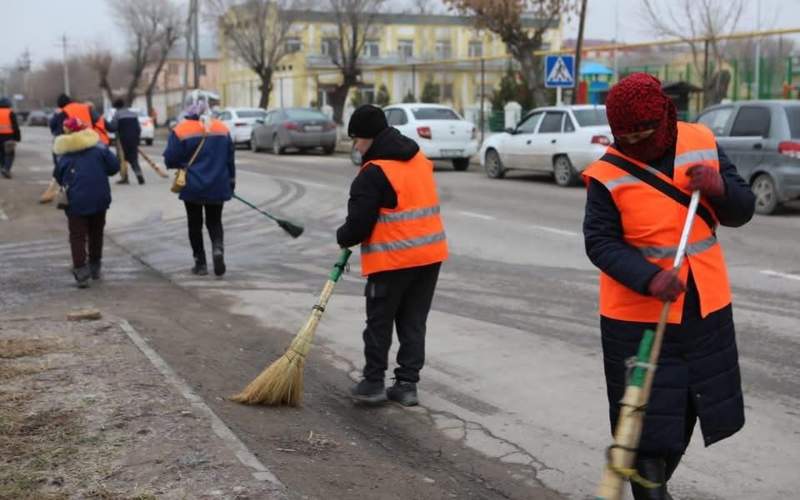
<point>559,73</point>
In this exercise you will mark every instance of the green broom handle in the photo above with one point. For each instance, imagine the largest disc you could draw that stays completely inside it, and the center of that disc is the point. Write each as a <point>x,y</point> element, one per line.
<point>253,206</point>
<point>338,268</point>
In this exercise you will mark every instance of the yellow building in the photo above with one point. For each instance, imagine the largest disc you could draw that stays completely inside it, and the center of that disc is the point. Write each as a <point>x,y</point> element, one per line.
<point>403,52</point>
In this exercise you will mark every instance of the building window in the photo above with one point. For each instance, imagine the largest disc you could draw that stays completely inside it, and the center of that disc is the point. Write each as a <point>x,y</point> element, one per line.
<point>475,49</point>
<point>293,45</point>
<point>405,48</point>
<point>330,47</point>
<point>371,49</point>
<point>446,92</point>
<point>173,68</point>
<point>202,70</point>
<point>444,50</point>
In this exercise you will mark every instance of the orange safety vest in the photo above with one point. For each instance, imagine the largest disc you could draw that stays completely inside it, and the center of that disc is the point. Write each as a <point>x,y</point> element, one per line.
<point>194,128</point>
<point>80,111</point>
<point>100,128</point>
<point>653,222</point>
<point>6,127</point>
<point>412,233</point>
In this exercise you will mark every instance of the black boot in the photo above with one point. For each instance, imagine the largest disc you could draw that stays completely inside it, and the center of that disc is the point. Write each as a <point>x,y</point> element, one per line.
<point>82,275</point>
<point>140,178</point>
<point>369,392</point>
<point>652,469</point>
<point>95,268</point>
<point>5,172</point>
<point>218,256</point>
<point>403,392</point>
<point>124,180</point>
<point>200,268</point>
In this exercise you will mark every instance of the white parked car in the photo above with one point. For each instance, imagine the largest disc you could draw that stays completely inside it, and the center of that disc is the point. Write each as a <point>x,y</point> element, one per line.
<point>240,122</point>
<point>440,132</point>
<point>563,140</point>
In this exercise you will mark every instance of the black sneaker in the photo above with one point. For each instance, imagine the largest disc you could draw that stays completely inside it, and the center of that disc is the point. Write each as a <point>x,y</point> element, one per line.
<point>82,275</point>
<point>218,257</point>
<point>5,173</point>
<point>95,268</point>
<point>404,393</point>
<point>124,180</point>
<point>369,392</point>
<point>140,178</point>
<point>200,268</point>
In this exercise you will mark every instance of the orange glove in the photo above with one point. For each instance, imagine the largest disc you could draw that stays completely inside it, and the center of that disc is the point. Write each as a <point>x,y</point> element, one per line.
<point>666,286</point>
<point>706,180</point>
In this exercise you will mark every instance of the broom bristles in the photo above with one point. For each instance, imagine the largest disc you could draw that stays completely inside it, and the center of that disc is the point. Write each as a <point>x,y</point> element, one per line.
<point>281,383</point>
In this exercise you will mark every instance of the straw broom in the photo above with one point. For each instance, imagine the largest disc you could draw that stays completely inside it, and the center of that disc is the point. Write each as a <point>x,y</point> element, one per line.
<point>160,171</point>
<point>281,383</point>
<point>622,453</point>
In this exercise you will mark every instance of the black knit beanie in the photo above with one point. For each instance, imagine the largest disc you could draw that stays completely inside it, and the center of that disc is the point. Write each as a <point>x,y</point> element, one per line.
<point>367,122</point>
<point>63,100</point>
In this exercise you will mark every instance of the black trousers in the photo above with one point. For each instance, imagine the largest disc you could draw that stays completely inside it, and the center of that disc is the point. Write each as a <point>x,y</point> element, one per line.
<point>83,230</point>
<point>194,217</point>
<point>131,152</point>
<point>6,157</point>
<point>402,298</point>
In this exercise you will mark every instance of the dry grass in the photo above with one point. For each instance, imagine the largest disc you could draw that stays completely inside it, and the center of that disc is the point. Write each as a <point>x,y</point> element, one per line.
<point>19,348</point>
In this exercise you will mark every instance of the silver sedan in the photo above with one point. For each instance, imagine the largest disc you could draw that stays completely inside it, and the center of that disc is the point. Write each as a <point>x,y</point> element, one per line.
<point>296,128</point>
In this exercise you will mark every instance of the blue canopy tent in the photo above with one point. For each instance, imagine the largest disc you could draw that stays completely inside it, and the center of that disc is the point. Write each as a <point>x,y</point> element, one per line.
<point>598,77</point>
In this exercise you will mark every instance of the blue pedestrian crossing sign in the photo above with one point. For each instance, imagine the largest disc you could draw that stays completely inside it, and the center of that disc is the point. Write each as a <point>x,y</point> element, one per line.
<point>559,71</point>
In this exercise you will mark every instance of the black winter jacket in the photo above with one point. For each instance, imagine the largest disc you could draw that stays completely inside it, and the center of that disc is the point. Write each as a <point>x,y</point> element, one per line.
<point>371,190</point>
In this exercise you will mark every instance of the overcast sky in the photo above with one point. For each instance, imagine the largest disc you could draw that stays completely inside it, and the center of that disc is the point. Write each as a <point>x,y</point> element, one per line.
<point>37,25</point>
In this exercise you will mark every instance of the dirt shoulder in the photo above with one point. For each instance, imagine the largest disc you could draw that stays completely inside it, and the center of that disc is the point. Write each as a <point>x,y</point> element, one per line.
<point>97,380</point>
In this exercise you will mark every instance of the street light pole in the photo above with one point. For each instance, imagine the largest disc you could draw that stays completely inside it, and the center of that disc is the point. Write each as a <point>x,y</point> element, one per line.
<point>757,78</point>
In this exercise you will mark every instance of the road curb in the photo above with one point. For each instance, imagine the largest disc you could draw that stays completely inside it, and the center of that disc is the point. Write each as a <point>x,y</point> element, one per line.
<point>234,444</point>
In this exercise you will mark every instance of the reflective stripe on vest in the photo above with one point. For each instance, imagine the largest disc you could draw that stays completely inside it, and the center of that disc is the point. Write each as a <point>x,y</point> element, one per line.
<point>652,223</point>
<point>412,233</point>
<point>6,127</point>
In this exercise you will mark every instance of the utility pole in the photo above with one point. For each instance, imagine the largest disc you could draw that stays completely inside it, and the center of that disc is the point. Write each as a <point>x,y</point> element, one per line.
<point>616,41</point>
<point>187,54</point>
<point>66,66</point>
<point>578,50</point>
<point>196,45</point>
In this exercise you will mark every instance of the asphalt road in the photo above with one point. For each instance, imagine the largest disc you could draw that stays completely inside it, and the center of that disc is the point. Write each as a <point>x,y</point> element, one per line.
<point>514,366</point>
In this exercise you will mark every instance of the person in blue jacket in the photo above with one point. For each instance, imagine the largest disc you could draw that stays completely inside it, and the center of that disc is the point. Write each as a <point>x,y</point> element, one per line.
<point>83,168</point>
<point>205,149</point>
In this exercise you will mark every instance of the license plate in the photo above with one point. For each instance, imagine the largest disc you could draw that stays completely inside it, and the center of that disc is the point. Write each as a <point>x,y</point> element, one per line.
<point>313,128</point>
<point>451,152</point>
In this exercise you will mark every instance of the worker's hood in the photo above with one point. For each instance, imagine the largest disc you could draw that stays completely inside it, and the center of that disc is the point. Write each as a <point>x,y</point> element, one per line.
<point>390,144</point>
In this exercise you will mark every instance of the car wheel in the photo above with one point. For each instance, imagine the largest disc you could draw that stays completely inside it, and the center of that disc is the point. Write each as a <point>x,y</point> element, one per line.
<point>248,144</point>
<point>329,150</point>
<point>254,145</point>
<point>563,171</point>
<point>766,194</point>
<point>277,147</point>
<point>494,165</point>
<point>149,142</point>
<point>355,157</point>
<point>460,164</point>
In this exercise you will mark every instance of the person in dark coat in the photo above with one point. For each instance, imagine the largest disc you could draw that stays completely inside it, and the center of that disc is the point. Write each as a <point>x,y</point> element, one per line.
<point>393,213</point>
<point>203,146</point>
<point>126,125</point>
<point>698,371</point>
<point>84,166</point>
<point>9,137</point>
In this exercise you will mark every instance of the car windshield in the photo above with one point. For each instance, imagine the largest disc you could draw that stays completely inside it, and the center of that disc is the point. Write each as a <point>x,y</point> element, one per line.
<point>255,113</point>
<point>793,114</point>
<point>590,117</point>
<point>435,114</point>
<point>305,114</point>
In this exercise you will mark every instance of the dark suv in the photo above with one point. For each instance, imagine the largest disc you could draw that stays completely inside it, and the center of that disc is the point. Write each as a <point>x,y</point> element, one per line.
<point>762,138</point>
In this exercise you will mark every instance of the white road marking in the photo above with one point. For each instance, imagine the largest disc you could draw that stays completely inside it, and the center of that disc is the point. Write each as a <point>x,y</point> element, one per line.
<point>553,230</point>
<point>3,215</point>
<point>245,456</point>
<point>788,276</point>
<point>477,216</point>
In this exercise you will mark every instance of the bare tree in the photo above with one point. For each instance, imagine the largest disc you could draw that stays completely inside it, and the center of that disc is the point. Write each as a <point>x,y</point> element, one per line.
<point>691,19</point>
<point>99,60</point>
<point>169,32</point>
<point>521,24</point>
<point>141,20</point>
<point>355,22</point>
<point>256,31</point>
